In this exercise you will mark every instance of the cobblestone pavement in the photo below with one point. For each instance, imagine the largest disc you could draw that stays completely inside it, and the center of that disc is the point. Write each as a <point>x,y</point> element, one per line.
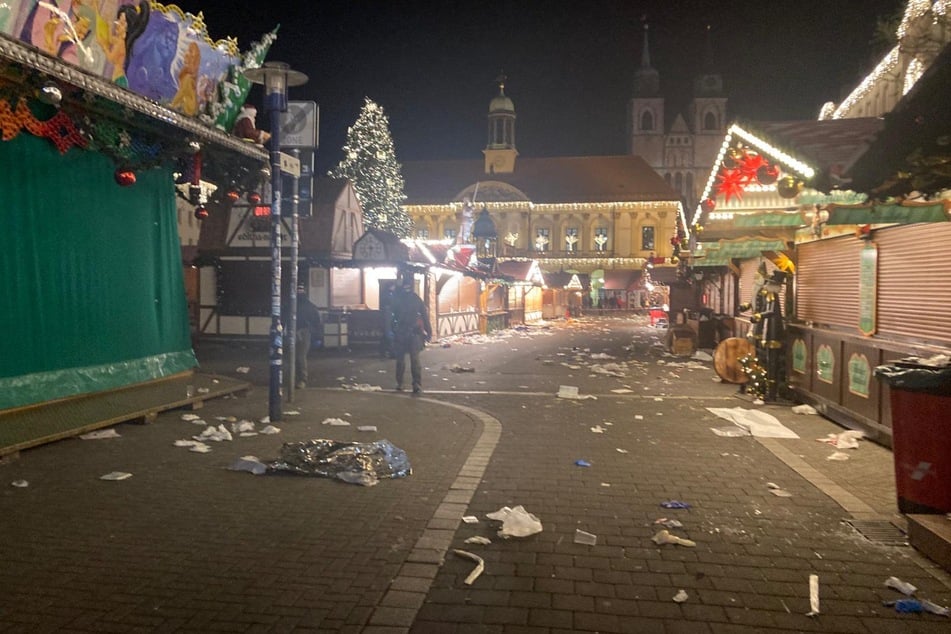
<point>187,545</point>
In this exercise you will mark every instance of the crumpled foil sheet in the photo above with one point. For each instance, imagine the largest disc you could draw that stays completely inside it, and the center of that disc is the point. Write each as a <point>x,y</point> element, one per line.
<point>361,463</point>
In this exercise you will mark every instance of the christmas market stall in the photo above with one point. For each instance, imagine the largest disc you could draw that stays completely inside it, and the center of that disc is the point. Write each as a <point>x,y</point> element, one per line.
<point>525,293</point>
<point>235,262</point>
<point>103,107</point>
<point>832,233</point>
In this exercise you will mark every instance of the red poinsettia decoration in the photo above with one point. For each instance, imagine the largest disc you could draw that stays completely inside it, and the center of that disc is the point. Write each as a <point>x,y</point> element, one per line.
<point>731,183</point>
<point>748,166</point>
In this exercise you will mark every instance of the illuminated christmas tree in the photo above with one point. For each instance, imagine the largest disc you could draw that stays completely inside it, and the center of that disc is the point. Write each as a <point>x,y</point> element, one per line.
<point>369,162</point>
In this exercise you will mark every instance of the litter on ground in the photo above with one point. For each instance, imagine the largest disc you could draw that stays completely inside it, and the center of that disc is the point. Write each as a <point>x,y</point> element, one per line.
<point>102,434</point>
<point>757,423</point>
<point>480,565</point>
<point>516,522</point>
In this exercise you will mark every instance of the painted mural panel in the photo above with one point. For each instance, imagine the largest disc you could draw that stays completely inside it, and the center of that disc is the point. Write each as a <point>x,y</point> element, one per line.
<point>153,50</point>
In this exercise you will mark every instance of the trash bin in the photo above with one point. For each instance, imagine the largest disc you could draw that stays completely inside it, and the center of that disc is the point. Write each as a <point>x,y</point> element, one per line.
<point>921,432</point>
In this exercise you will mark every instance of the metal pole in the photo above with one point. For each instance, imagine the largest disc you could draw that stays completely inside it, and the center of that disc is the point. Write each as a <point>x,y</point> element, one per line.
<point>292,319</point>
<point>274,102</point>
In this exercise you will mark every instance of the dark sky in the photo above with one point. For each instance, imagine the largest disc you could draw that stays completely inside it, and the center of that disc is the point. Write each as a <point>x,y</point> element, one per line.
<point>570,64</point>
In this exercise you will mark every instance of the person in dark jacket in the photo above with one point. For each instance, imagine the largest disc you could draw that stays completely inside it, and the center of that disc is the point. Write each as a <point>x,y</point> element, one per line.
<point>411,329</point>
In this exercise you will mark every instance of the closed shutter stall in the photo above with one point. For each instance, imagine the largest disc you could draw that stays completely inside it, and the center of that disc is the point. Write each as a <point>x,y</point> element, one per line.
<point>827,285</point>
<point>914,284</point>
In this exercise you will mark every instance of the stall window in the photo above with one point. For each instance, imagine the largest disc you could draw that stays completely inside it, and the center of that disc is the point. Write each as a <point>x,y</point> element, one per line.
<point>647,238</point>
<point>601,238</point>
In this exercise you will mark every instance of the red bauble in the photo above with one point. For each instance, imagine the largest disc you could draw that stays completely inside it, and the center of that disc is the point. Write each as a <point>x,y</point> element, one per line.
<point>707,205</point>
<point>201,212</point>
<point>767,174</point>
<point>233,196</point>
<point>254,198</point>
<point>124,177</point>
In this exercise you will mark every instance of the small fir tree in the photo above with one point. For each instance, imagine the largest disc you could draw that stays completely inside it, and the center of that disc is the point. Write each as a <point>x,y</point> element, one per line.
<point>369,162</point>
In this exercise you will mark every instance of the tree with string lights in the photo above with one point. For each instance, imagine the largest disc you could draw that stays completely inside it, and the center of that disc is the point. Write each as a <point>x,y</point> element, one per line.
<point>370,164</point>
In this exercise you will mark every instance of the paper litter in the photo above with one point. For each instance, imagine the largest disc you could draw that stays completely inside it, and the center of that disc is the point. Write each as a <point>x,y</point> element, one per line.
<point>516,522</point>
<point>116,475</point>
<point>758,423</point>
<point>100,435</point>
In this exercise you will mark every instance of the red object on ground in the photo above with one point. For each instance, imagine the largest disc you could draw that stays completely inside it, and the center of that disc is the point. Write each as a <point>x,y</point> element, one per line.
<point>921,448</point>
<point>657,314</point>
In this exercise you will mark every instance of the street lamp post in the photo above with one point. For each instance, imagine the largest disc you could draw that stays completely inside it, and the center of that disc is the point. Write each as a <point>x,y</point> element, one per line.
<point>275,77</point>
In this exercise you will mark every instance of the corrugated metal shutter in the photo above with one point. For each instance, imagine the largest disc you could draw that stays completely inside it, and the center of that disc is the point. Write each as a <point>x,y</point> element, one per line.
<point>747,278</point>
<point>827,284</point>
<point>914,283</point>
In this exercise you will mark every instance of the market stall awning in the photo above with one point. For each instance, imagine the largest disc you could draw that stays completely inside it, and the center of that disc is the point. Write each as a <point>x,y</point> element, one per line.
<point>769,219</point>
<point>906,213</point>
<point>723,253</point>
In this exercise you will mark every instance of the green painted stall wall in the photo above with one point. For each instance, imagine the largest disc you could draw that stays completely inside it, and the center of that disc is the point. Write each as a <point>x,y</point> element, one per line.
<point>92,294</point>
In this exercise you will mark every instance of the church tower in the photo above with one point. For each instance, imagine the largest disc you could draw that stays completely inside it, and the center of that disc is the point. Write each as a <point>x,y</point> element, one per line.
<point>500,150</point>
<point>645,113</point>
<point>708,116</point>
<point>684,152</point>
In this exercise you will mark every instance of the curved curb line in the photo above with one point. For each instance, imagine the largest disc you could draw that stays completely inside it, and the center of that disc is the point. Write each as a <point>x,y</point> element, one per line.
<point>407,592</point>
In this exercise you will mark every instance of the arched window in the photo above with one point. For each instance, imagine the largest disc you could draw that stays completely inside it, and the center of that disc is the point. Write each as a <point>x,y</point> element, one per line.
<point>679,182</point>
<point>709,121</point>
<point>689,182</point>
<point>647,120</point>
<point>667,177</point>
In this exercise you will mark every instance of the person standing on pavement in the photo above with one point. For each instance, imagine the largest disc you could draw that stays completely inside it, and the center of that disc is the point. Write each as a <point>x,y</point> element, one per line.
<point>411,329</point>
<point>309,331</point>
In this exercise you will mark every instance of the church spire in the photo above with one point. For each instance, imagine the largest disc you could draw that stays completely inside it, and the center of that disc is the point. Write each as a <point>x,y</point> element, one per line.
<point>646,78</point>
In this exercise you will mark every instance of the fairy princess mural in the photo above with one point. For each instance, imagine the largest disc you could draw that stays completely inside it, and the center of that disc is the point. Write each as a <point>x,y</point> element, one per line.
<point>154,50</point>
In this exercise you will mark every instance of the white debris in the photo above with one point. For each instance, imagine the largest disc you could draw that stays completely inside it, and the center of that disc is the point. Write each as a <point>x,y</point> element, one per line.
<point>700,355</point>
<point>190,417</point>
<point>664,537</point>
<point>242,426</point>
<point>250,464</point>
<point>366,428</point>
<point>216,434</point>
<point>200,448</point>
<point>586,538</point>
<point>623,390</point>
<point>681,596</point>
<point>335,422</point>
<point>598,429</point>
<point>479,539</point>
<point>845,440</point>
<point>101,434</point>
<point>242,370</point>
<point>571,392</point>
<point>813,595</point>
<point>758,423</point>
<point>470,519</point>
<point>516,522</point>
<point>902,586</point>
<point>804,409</point>
<point>480,565</point>
<point>116,475</point>
<point>838,456</point>
<point>292,412</point>
<point>271,429</point>
<point>20,484</point>
<point>601,355</point>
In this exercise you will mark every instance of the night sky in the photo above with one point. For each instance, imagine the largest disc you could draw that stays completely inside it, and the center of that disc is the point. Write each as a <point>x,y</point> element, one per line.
<point>570,65</point>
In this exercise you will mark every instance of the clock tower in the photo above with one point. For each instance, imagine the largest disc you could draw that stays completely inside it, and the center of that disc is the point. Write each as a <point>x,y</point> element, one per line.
<point>500,151</point>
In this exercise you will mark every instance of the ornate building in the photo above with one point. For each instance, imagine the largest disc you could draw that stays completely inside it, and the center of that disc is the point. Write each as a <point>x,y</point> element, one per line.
<point>683,152</point>
<point>579,213</point>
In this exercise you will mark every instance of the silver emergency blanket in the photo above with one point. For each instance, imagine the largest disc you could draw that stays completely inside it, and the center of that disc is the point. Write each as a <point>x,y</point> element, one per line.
<point>361,463</point>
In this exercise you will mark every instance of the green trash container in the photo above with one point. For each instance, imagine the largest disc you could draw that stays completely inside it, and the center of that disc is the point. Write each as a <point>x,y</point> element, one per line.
<point>921,432</point>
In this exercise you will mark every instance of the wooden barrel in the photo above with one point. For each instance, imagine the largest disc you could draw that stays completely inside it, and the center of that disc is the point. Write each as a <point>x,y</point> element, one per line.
<point>726,359</point>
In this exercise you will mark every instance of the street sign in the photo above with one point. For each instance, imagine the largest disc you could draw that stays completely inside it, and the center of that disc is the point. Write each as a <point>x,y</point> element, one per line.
<point>299,124</point>
<point>305,183</point>
<point>290,165</point>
